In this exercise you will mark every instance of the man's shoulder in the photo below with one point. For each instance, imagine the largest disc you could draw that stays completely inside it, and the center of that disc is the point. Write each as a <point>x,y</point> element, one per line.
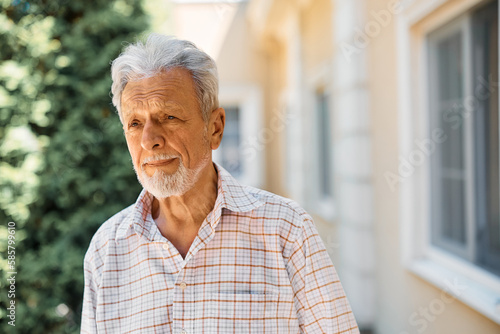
<point>282,216</point>
<point>279,206</point>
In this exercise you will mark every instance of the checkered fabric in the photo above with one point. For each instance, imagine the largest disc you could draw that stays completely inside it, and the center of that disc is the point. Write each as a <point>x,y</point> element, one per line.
<point>257,265</point>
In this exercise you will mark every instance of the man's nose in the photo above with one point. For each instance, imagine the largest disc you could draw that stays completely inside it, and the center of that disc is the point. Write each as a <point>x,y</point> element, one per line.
<point>152,136</point>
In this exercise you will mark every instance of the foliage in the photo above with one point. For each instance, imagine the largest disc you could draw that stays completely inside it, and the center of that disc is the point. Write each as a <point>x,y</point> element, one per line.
<point>64,165</point>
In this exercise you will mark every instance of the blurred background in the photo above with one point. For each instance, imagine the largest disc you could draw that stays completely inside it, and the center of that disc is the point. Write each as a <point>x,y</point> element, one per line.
<point>379,117</point>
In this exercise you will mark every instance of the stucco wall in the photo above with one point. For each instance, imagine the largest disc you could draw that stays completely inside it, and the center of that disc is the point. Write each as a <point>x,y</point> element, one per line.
<point>317,28</point>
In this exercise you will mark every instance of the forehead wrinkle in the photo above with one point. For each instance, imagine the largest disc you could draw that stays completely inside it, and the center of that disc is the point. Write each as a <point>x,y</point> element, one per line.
<point>143,93</point>
<point>151,101</point>
<point>153,104</point>
<point>170,83</point>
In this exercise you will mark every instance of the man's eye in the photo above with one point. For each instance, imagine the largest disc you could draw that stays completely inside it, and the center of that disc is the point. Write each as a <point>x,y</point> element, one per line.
<point>134,124</point>
<point>171,117</point>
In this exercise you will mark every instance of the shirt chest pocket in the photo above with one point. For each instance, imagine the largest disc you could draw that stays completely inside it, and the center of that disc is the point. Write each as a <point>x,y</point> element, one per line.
<point>241,313</point>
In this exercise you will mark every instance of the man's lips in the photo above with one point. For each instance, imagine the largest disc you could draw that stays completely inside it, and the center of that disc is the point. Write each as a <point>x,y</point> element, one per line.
<point>157,163</point>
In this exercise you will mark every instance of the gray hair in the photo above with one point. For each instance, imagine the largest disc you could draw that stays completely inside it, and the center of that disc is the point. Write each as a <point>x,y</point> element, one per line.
<point>158,53</point>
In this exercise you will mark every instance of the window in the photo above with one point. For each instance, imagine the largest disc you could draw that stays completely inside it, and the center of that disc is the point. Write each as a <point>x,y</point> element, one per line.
<point>318,151</point>
<point>449,200</point>
<point>463,104</point>
<point>229,150</point>
<point>485,25</point>
<point>243,144</point>
<point>324,156</point>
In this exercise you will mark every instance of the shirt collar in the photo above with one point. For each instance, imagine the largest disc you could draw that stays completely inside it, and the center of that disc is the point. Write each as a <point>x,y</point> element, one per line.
<point>231,195</point>
<point>138,218</point>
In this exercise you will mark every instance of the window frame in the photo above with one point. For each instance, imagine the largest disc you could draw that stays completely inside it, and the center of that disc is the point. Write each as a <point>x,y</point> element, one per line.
<point>469,283</point>
<point>461,24</point>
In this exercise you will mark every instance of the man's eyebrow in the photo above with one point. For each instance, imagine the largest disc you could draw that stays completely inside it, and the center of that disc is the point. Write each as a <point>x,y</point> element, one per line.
<point>133,106</point>
<point>127,111</point>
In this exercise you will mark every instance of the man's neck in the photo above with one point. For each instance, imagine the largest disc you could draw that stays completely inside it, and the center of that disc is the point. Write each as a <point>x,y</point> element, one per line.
<point>179,217</point>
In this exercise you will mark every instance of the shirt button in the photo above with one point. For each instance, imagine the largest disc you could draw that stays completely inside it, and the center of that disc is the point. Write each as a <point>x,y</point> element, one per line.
<point>165,246</point>
<point>182,285</point>
<point>183,331</point>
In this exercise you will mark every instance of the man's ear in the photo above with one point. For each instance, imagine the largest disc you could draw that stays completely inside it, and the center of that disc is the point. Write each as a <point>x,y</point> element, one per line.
<point>216,126</point>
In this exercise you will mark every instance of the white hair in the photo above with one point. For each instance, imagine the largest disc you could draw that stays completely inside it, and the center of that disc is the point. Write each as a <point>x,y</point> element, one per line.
<point>159,53</point>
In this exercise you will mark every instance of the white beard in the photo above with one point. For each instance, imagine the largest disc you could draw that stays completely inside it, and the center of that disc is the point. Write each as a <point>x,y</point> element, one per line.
<point>162,185</point>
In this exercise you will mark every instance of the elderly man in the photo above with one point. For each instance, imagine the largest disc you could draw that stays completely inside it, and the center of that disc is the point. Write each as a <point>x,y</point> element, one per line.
<point>198,252</point>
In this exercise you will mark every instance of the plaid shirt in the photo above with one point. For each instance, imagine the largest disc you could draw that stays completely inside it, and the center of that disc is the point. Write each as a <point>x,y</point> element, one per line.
<point>257,265</point>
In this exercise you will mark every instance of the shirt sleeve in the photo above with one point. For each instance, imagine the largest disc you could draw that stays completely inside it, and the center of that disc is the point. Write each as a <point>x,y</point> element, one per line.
<point>319,298</point>
<point>88,324</point>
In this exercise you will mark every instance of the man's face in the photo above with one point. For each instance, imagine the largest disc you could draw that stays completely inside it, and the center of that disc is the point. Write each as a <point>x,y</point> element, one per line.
<point>166,135</point>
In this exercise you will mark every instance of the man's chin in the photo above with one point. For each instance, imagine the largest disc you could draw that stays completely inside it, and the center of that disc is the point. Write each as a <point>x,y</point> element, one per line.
<point>162,185</point>
<point>157,174</point>
<point>163,193</point>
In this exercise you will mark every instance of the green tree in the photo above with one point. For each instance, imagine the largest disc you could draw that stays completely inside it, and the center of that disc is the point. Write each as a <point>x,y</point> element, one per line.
<point>64,165</point>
